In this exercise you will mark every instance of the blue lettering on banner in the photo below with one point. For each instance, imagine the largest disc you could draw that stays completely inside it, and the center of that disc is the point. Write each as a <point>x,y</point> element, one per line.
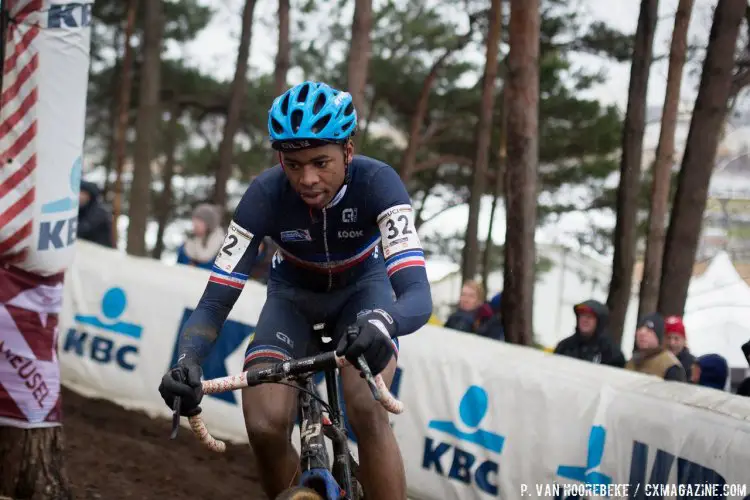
<point>688,472</point>
<point>71,15</point>
<point>121,349</point>
<point>61,233</point>
<point>464,465</point>
<point>232,337</point>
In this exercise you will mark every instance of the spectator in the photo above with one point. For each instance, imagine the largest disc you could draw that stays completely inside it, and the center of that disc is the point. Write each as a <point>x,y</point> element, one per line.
<point>493,327</point>
<point>744,388</point>
<point>650,356</point>
<point>472,294</point>
<point>591,340</point>
<point>202,246</point>
<point>710,370</point>
<point>94,220</point>
<point>674,331</point>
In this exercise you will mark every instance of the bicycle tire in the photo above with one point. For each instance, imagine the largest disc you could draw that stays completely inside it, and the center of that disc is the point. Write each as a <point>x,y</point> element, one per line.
<point>300,493</point>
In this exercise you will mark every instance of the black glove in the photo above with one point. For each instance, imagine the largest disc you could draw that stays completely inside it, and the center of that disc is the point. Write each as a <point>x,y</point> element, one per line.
<point>183,380</point>
<point>373,340</point>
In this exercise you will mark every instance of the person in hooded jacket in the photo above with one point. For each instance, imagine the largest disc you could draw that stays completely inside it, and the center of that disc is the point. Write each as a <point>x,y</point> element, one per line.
<point>591,340</point>
<point>650,356</point>
<point>94,220</point>
<point>710,370</point>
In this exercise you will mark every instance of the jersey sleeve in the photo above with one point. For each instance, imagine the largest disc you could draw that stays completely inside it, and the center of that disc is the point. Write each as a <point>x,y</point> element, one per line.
<point>250,224</point>
<point>402,251</point>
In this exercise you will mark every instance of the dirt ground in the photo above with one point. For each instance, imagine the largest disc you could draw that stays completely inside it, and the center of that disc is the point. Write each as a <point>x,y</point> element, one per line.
<point>112,453</point>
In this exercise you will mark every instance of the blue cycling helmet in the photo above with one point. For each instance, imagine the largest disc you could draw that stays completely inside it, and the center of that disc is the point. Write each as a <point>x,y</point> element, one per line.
<point>311,114</point>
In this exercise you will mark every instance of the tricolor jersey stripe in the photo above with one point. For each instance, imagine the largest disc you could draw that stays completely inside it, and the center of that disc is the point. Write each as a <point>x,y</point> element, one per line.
<point>409,258</point>
<point>18,129</point>
<point>221,277</point>
<point>264,352</point>
<point>334,266</point>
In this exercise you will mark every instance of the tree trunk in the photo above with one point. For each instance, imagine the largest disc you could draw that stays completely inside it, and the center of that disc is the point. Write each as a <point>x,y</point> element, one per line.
<point>409,158</point>
<point>621,282</point>
<point>522,96</point>
<point>484,136</point>
<point>237,93</point>
<point>32,464</point>
<point>115,84</point>
<point>649,293</point>
<point>359,53</point>
<point>281,68</point>
<point>498,190</point>
<point>147,126</point>
<point>700,153</point>
<point>123,113</point>
<point>164,208</point>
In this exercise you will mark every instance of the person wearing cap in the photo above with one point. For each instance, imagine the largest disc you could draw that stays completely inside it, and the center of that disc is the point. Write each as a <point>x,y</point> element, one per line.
<point>674,337</point>
<point>650,356</point>
<point>591,340</point>
<point>201,248</point>
<point>710,370</point>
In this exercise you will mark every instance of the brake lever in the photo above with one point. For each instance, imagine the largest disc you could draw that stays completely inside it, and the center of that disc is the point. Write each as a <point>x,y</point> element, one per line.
<point>175,416</point>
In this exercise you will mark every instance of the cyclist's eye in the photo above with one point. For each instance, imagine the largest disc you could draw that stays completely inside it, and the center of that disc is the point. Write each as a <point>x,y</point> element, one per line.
<point>291,166</point>
<point>321,163</point>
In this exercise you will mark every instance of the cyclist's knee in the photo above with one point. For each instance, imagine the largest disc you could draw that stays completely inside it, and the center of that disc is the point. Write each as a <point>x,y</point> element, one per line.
<point>269,413</point>
<point>365,414</point>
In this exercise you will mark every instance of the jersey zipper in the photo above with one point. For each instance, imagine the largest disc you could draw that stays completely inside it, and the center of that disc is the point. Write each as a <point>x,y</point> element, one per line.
<point>325,245</point>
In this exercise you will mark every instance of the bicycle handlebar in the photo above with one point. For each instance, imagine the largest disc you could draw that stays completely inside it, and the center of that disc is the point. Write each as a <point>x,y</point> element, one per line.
<point>277,372</point>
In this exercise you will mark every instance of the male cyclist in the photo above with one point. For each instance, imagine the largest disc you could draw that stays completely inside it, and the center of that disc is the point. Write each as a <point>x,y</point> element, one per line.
<point>329,212</point>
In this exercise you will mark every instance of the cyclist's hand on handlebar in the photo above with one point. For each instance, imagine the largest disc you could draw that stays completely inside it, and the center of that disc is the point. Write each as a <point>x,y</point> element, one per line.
<point>183,380</point>
<point>374,331</point>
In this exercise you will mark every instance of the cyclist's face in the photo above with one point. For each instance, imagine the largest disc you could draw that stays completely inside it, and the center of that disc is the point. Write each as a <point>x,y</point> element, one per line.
<point>317,173</point>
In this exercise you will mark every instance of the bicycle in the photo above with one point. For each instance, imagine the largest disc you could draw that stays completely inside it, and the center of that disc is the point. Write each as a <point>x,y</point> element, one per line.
<point>318,481</point>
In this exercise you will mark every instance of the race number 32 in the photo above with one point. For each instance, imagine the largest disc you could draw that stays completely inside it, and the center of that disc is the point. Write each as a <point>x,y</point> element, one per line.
<point>233,248</point>
<point>398,231</point>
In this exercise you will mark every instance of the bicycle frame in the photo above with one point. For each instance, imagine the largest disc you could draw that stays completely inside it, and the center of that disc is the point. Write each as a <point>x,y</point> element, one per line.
<point>314,460</point>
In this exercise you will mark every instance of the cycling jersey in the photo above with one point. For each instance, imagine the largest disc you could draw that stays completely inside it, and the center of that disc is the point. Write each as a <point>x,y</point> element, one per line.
<point>321,250</point>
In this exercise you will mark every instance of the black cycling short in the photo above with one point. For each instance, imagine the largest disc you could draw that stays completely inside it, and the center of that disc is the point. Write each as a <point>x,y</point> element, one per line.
<point>285,327</point>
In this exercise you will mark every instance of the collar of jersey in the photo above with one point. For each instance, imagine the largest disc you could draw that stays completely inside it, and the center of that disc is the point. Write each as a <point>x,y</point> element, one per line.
<point>339,196</point>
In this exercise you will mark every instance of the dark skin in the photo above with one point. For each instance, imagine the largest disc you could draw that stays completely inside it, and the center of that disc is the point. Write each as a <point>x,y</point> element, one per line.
<point>317,174</point>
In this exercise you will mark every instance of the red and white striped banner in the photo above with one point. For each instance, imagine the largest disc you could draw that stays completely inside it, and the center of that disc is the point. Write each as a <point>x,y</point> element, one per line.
<point>42,123</point>
<point>18,130</point>
<point>42,126</point>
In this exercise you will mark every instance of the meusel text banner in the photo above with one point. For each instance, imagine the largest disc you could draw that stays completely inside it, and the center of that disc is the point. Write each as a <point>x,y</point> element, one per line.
<point>483,419</point>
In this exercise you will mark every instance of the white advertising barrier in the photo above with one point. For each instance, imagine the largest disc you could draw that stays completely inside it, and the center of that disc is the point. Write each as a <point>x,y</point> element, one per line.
<point>42,129</point>
<point>483,419</point>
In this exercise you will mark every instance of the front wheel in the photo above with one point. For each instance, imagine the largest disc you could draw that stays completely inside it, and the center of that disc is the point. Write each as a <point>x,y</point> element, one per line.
<point>300,493</point>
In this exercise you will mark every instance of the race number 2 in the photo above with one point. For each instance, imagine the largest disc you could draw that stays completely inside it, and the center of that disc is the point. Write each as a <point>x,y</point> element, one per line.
<point>398,231</point>
<point>233,248</point>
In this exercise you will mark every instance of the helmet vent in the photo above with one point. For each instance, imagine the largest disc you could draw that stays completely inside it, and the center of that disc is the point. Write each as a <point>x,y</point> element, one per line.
<point>277,126</point>
<point>285,105</point>
<point>302,96</point>
<point>320,101</point>
<point>349,109</point>
<point>295,120</point>
<point>321,124</point>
